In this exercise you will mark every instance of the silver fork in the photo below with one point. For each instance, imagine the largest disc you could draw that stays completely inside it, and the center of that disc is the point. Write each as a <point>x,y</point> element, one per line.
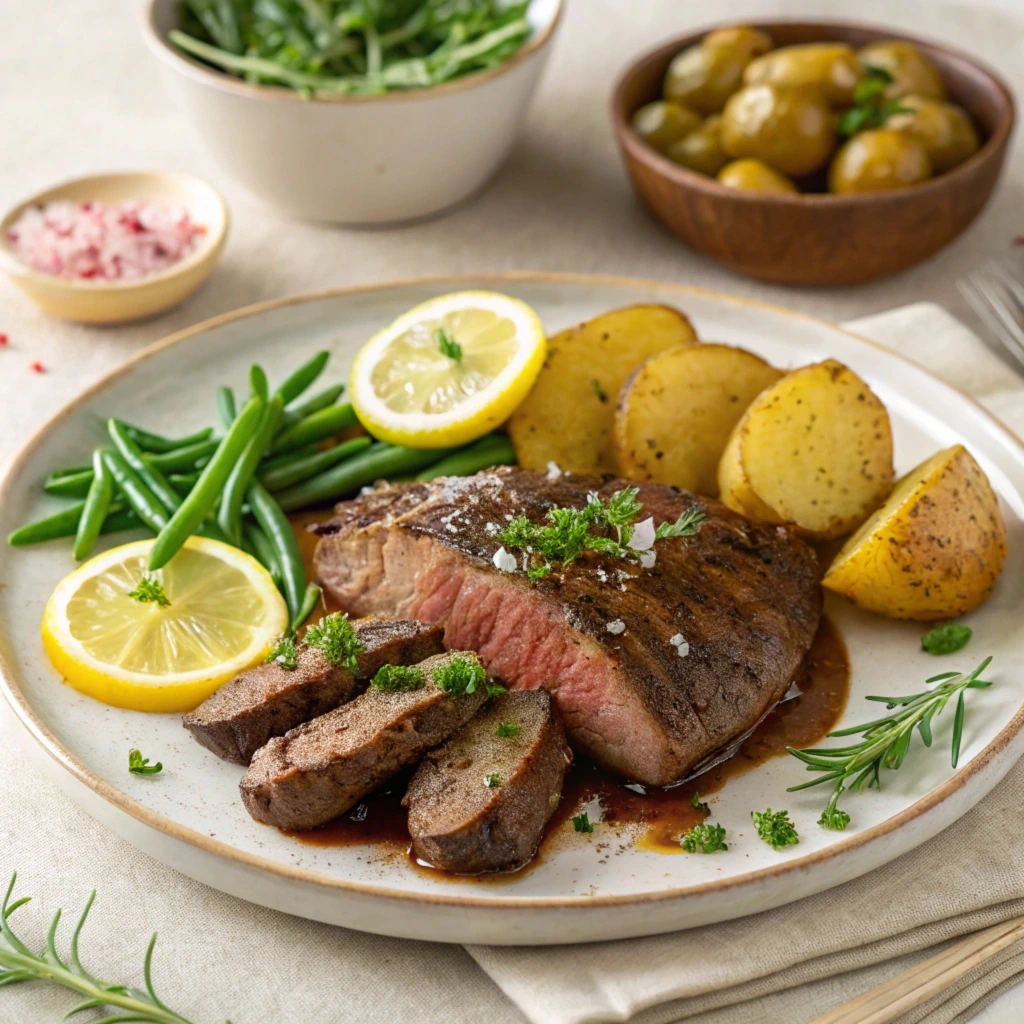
<point>996,294</point>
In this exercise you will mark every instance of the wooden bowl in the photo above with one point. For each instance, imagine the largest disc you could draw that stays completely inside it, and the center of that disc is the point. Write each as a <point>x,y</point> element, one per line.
<point>818,239</point>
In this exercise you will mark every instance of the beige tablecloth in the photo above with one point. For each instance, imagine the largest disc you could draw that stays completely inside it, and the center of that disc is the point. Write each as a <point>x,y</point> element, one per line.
<point>81,94</point>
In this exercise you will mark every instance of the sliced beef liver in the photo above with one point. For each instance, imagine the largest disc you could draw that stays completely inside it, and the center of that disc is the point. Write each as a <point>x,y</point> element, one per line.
<point>457,821</point>
<point>269,700</point>
<point>324,767</point>
<point>744,596</point>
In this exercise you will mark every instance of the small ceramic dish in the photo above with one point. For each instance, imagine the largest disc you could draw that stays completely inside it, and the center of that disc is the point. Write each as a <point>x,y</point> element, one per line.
<point>357,160</point>
<point>108,302</point>
<point>817,238</point>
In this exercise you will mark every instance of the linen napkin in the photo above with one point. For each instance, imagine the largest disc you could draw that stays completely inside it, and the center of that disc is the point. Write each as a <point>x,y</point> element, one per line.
<point>798,961</point>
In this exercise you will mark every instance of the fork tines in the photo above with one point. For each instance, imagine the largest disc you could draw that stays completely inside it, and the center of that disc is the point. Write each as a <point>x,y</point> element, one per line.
<point>997,296</point>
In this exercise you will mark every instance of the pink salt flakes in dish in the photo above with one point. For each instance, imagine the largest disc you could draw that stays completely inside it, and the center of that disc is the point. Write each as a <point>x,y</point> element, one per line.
<point>97,241</point>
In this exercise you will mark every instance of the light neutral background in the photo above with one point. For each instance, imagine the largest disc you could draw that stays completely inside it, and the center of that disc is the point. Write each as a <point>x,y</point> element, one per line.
<point>80,94</point>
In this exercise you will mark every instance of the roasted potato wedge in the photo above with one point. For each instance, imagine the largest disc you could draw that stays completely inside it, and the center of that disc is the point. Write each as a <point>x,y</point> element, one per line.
<point>933,551</point>
<point>677,409</point>
<point>816,448</point>
<point>569,415</point>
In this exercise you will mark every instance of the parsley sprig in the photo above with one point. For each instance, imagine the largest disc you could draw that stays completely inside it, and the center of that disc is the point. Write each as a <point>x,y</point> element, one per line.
<point>285,653</point>
<point>448,346</point>
<point>392,678</point>
<point>775,828</point>
<point>581,822</point>
<point>507,730</point>
<point>886,741</point>
<point>18,963</point>
<point>460,676</point>
<point>603,526</point>
<point>150,589</point>
<point>139,765</point>
<point>871,109</point>
<point>336,637</point>
<point>947,639</point>
<point>704,838</point>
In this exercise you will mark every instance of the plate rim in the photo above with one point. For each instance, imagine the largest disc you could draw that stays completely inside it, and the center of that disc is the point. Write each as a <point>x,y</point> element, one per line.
<point>29,719</point>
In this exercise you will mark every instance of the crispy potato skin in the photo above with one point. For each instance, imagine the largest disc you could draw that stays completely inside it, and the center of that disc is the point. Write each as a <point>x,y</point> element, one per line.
<point>816,448</point>
<point>933,551</point>
<point>569,415</point>
<point>677,409</point>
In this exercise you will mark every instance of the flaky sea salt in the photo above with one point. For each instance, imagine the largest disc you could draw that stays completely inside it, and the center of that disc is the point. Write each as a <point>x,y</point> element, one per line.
<point>647,559</point>
<point>101,242</point>
<point>553,472</point>
<point>643,535</point>
<point>616,626</point>
<point>504,560</point>
<point>681,646</point>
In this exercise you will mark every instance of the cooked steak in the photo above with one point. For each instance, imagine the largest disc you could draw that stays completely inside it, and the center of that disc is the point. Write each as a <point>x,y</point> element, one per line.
<point>480,802</point>
<point>322,768</point>
<point>269,700</point>
<point>652,669</point>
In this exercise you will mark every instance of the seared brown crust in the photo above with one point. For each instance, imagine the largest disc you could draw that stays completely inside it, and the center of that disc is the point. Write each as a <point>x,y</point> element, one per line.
<point>324,767</point>
<point>744,596</point>
<point>457,822</point>
<point>269,700</point>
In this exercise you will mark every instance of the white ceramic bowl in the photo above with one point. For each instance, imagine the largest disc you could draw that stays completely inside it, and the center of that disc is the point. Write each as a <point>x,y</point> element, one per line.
<point>361,160</point>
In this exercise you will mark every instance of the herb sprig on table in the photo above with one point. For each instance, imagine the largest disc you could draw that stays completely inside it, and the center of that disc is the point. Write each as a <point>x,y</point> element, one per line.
<point>885,741</point>
<point>18,963</point>
<point>352,47</point>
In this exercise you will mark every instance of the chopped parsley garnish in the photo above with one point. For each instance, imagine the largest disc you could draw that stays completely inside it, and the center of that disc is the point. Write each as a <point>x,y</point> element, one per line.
<point>697,804</point>
<point>284,653</point>
<point>506,730</point>
<point>336,637</point>
<point>492,781</point>
<point>139,765</point>
<point>946,639</point>
<point>582,823</point>
<point>704,838</point>
<point>460,676</point>
<point>834,818</point>
<point>870,107</point>
<point>149,588</point>
<point>775,827</point>
<point>603,526</point>
<point>397,677</point>
<point>448,346</point>
<point>495,690</point>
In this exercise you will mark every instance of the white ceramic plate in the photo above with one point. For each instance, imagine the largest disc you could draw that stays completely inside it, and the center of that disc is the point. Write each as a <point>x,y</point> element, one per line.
<point>585,888</point>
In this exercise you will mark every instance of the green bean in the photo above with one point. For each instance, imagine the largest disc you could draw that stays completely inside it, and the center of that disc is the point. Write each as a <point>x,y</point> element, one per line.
<point>70,471</point>
<point>258,382</point>
<point>490,450</point>
<point>65,524</point>
<point>95,508</point>
<point>183,482</point>
<point>187,457</point>
<point>309,601</point>
<point>263,551</point>
<point>268,465</point>
<point>132,454</point>
<point>318,426</point>
<point>226,405</point>
<point>321,400</point>
<point>230,514</point>
<point>140,498</point>
<point>69,485</point>
<point>378,461</point>
<point>157,443</point>
<point>302,469</point>
<point>200,502</point>
<point>275,525</point>
<point>301,379</point>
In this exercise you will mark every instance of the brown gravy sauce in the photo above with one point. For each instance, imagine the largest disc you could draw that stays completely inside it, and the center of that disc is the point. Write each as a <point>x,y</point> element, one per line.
<point>660,815</point>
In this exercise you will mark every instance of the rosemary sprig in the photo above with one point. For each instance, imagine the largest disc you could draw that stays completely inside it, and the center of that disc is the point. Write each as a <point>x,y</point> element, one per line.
<point>886,741</point>
<point>19,963</point>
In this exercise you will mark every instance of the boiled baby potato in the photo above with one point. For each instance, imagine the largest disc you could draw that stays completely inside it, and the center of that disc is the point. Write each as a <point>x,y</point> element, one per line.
<point>880,160</point>
<point>677,410</point>
<point>945,130</point>
<point>754,176</point>
<point>831,67</point>
<point>816,448</point>
<point>661,123</point>
<point>934,549</point>
<point>752,40</point>
<point>911,71</point>
<point>701,150</point>
<point>792,130</point>
<point>569,415</point>
<point>703,77</point>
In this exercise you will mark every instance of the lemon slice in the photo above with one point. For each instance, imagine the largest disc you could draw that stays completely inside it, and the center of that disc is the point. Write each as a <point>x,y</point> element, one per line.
<point>224,615</point>
<point>449,370</point>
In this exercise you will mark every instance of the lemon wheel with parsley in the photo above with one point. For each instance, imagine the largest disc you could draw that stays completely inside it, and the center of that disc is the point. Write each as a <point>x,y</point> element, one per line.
<point>448,371</point>
<point>211,612</point>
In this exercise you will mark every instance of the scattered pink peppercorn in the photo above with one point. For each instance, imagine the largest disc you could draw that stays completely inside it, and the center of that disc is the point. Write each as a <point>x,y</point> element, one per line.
<point>3,340</point>
<point>36,367</point>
